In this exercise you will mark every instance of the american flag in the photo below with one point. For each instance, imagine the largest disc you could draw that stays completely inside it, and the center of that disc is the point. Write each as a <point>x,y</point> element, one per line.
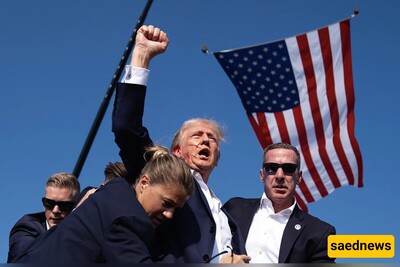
<point>300,91</point>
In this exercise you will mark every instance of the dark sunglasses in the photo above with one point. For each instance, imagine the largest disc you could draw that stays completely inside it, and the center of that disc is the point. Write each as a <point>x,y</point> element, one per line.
<point>64,206</point>
<point>271,167</point>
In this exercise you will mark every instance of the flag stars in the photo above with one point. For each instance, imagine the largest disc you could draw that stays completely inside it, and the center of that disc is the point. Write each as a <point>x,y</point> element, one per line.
<point>263,76</point>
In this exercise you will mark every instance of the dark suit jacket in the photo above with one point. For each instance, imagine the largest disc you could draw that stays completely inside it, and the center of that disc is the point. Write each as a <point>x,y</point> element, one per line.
<point>308,244</point>
<point>24,232</point>
<point>110,226</point>
<point>190,235</point>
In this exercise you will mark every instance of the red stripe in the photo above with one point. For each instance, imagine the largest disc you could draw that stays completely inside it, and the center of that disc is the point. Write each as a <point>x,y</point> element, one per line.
<point>283,131</point>
<point>326,50</point>
<point>309,73</point>
<point>348,80</point>
<point>300,202</point>
<point>261,129</point>
<point>302,135</point>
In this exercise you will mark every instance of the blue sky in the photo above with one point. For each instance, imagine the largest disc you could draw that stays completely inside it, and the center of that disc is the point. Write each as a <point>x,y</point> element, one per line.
<point>57,59</point>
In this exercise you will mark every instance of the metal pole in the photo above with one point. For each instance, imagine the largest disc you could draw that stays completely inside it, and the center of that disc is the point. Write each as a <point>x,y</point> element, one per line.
<point>110,91</point>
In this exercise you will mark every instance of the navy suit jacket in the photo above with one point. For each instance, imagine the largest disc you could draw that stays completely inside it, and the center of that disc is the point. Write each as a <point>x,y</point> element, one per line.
<point>24,232</point>
<point>189,237</point>
<point>304,239</point>
<point>110,226</point>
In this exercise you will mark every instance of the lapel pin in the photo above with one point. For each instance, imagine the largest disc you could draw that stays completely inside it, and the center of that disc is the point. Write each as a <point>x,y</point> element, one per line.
<point>297,227</point>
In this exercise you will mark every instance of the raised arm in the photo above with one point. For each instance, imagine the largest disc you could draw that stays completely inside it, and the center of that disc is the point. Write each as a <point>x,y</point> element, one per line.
<point>130,134</point>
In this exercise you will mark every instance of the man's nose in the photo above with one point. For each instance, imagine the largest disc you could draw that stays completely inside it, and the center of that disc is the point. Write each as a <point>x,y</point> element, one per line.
<point>205,138</point>
<point>56,209</point>
<point>279,173</point>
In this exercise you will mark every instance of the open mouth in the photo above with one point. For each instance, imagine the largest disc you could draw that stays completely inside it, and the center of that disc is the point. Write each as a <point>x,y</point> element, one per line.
<point>204,153</point>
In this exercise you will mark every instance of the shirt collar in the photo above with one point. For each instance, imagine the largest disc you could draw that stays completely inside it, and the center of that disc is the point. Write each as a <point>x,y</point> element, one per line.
<point>202,184</point>
<point>266,203</point>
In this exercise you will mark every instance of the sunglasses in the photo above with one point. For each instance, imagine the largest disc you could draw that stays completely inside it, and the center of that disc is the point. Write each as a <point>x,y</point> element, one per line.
<point>64,206</point>
<point>271,167</point>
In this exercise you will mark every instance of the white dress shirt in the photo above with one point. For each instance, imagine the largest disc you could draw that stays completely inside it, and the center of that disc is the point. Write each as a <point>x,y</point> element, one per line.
<point>265,234</point>
<point>223,235</point>
<point>135,75</point>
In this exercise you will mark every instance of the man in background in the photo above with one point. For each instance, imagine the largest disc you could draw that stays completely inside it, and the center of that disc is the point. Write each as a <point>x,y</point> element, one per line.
<point>275,229</point>
<point>112,170</point>
<point>58,202</point>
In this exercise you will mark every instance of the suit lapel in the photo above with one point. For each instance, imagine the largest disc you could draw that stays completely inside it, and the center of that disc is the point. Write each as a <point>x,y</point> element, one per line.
<point>203,200</point>
<point>293,229</point>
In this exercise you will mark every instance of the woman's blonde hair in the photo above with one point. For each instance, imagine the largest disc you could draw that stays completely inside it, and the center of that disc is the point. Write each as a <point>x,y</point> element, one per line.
<point>164,168</point>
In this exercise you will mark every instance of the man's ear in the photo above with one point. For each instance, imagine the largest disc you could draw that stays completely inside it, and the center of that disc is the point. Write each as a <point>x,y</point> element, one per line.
<point>300,177</point>
<point>177,151</point>
<point>262,179</point>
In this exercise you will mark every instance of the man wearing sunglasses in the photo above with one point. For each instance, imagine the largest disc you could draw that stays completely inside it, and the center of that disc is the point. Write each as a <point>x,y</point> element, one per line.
<point>275,229</point>
<point>60,191</point>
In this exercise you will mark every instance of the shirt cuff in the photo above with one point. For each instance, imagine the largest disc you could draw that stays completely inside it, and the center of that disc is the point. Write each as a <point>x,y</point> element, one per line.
<point>135,75</point>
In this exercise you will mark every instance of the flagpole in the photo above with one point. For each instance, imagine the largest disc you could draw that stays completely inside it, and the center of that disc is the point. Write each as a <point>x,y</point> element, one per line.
<point>109,93</point>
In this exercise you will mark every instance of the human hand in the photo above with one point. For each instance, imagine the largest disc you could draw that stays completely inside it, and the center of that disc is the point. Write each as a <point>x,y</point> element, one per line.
<point>150,41</point>
<point>235,259</point>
